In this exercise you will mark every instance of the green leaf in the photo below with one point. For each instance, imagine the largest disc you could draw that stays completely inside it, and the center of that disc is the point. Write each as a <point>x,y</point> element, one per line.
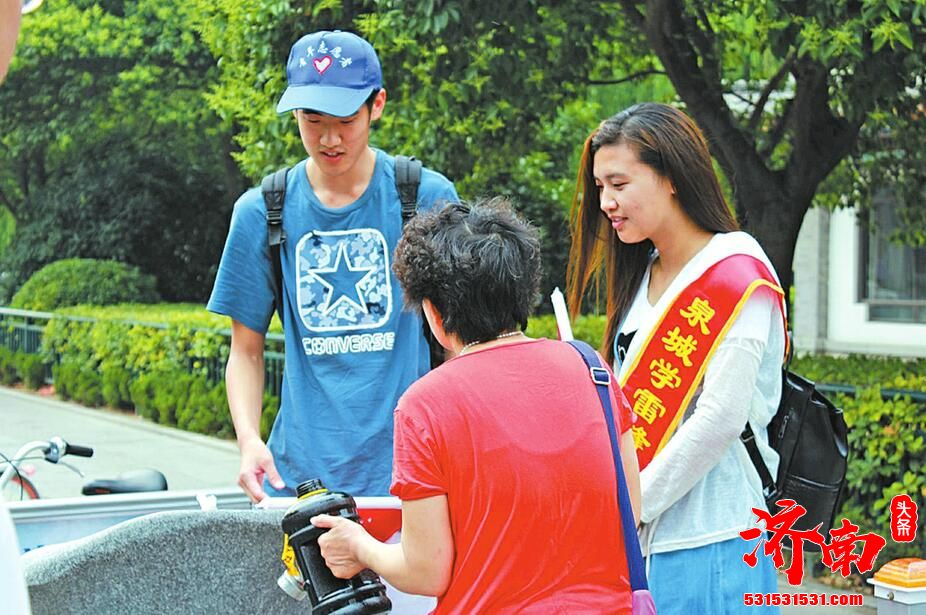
<point>904,36</point>
<point>895,6</point>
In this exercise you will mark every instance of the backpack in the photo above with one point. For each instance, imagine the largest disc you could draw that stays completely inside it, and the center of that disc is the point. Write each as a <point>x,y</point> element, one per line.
<point>809,434</point>
<point>273,189</point>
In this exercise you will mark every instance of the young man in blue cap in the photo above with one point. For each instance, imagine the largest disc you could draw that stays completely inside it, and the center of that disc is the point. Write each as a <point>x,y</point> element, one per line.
<point>351,350</point>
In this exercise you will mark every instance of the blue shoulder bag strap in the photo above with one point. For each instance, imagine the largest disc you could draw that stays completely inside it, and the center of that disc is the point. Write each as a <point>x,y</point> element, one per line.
<point>602,379</point>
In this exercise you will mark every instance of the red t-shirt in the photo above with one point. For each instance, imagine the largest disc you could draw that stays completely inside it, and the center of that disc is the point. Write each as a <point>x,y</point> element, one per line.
<point>514,435</point>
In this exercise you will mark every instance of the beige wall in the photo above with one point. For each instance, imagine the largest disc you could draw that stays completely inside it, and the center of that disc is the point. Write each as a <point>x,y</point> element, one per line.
<point>828,317</point>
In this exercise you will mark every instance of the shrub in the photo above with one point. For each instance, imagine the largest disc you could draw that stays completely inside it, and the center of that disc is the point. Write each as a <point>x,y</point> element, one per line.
<point>141,392</point>
<point>860,370</point>
<point>586,328</point>
<point>114,386</point>
<point>887,457</point>
<point>269,414</point>
<point>79,281</point>
<point>88,388</point>
<point>8,372</point>
<point>206,409</point>
<point>31,369</point>
<point>887,438</point>
<point>170,373</point>
<point>74,381</point>
<point>65,376</point>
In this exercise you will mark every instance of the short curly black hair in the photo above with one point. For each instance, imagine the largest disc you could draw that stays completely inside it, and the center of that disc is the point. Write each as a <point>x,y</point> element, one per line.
<point>479,264</point>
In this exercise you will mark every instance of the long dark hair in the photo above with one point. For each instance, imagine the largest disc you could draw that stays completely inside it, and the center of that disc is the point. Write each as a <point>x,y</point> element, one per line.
<point>670,143</point>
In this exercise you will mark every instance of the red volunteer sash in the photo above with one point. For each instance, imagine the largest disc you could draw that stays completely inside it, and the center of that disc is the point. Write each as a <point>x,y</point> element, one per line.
<point>662,378</point>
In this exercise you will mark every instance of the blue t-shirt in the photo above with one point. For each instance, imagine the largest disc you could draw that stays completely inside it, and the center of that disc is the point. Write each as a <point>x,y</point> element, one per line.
<point>351,348</point>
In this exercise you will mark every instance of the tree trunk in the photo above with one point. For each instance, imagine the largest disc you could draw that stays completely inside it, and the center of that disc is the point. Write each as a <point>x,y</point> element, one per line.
<point>774,219</point>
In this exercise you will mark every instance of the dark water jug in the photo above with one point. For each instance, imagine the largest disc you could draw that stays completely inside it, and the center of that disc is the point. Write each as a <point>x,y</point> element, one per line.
<point>362,594</point>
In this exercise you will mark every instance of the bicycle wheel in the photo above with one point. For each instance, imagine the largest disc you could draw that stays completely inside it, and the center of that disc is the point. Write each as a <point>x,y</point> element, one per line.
<point>19,488</point>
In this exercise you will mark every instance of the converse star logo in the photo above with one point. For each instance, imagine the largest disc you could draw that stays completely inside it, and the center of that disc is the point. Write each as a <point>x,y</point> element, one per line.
<point>343,280</point>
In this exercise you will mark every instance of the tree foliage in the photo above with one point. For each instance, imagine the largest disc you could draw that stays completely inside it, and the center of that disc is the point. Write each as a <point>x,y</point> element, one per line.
<point>84,281</point>
<point>106,140</point>
<point>498,96</point>
<point>784,90</point>
<point>124,200</point>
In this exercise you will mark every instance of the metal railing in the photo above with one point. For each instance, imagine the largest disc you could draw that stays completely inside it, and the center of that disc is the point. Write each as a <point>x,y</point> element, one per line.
<point>886,393</point>
<point>22,331</point>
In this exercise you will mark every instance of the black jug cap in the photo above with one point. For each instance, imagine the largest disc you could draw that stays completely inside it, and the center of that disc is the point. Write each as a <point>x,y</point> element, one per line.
<point>307,487</point>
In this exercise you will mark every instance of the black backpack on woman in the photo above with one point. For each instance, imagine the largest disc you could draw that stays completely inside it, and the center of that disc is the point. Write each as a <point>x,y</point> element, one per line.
<point>809,433</point>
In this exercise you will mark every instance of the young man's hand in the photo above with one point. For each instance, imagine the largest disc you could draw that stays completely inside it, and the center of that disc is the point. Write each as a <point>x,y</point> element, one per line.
<point>257,463</point>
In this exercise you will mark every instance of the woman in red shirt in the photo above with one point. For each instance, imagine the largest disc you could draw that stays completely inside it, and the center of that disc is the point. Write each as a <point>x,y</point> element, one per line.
<point>502,457</point>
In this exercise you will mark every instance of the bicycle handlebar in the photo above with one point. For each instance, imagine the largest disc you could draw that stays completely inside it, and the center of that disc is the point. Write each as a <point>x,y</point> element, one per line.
<point>78,450</point>
<point>52,450</point>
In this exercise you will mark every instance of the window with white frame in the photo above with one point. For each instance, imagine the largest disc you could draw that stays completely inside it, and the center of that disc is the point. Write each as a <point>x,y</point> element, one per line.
<point>892,276</point>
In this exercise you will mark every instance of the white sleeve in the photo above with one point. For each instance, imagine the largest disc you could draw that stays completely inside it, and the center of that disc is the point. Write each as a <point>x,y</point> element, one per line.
<point>12,585</point>
<point>720,413</point>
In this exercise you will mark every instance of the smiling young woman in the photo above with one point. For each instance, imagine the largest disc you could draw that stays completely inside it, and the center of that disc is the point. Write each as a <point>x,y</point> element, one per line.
<point>696,335</point>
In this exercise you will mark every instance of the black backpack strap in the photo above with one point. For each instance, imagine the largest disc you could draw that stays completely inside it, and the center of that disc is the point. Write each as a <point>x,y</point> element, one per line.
<point>407,180</point>
<point>748,437</point>
<point>273,188</point>
<point>768,483</point>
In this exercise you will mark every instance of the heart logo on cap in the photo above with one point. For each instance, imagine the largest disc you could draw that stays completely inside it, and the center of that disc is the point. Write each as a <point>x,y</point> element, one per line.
<point>322,64</point>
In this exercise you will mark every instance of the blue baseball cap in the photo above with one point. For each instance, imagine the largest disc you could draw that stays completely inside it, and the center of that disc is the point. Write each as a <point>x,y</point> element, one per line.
<point>330,72</point>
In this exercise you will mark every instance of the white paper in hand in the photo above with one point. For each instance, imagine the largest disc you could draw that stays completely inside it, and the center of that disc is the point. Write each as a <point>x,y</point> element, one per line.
<point>562,315</point>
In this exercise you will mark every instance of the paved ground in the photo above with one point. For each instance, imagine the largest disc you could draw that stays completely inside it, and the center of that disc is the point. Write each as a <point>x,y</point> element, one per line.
<point>120,441</point>
<point>124,442</point>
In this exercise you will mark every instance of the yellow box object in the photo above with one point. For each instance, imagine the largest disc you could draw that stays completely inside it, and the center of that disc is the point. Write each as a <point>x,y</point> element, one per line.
<point>905,572</point>
<point>900,587</point>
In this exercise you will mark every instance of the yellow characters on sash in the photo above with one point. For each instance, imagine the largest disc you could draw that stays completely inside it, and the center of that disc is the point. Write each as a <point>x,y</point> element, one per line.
<point>664,374</point>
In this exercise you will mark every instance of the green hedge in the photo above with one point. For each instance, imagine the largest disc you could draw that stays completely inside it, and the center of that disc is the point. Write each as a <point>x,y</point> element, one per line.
<point>78,281</point>
<point>162,361</point>
<point>16,367</point>
<point>887,439</point>
<point>586,328</point>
